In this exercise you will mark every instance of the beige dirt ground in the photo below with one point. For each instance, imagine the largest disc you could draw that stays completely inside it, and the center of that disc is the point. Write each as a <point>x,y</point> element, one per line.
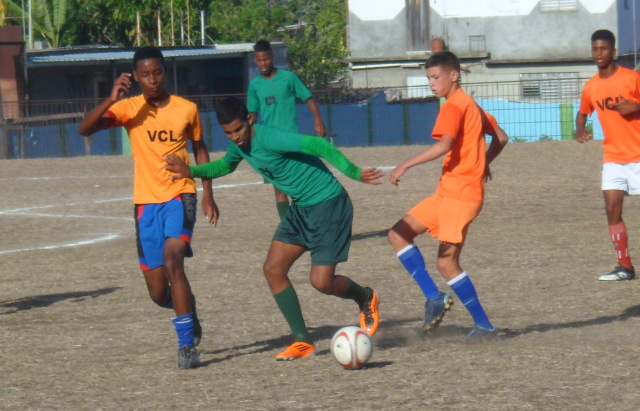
<point>78,331</point>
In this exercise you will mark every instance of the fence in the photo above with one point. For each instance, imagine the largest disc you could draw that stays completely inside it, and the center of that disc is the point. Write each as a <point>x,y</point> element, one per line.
<point>530,110</point>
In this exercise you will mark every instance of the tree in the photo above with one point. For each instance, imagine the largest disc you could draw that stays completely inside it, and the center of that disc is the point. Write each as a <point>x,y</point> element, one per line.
<point>240,21</point>
<point>52,20</point>
<point>316,47</point>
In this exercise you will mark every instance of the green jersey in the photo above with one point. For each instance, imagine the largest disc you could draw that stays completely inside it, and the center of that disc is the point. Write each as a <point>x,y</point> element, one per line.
<point>289,161</point>
<point>275,99</point>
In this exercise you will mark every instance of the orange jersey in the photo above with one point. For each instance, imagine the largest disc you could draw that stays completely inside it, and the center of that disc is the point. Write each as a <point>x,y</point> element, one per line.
<point>154,132</point>
<point>464,165</point>
<point>621,134</point>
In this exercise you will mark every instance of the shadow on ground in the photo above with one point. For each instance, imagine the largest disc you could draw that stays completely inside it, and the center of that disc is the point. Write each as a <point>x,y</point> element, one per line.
<point>42,301</point>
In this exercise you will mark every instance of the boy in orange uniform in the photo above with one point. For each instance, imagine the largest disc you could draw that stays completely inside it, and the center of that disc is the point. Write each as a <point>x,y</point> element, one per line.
<point>164,210</point>
<point>460,130</point>
<point>614,93</point>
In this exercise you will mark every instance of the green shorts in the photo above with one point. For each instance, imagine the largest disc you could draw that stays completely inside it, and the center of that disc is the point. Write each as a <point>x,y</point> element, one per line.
<point>324,229</point>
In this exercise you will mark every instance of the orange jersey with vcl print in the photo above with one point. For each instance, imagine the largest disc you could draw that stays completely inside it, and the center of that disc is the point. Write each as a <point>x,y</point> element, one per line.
<point>154,132</point>
<point>621,133</point>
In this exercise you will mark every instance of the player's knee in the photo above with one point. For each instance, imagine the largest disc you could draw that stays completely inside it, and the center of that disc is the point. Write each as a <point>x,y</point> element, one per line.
<point>159,296</point>
<point>325,286</point>
<point>393,236</point>
<point>273,272</point>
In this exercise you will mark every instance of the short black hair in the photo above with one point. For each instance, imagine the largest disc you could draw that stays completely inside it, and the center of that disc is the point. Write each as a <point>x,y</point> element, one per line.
<point>443,58</point>
<point>148,52</point>
<point>230,109</point>
<point>605,35</point>
<point>262,45</point>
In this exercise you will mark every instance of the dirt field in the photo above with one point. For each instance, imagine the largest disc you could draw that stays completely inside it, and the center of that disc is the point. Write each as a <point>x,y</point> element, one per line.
<point>78,331</point>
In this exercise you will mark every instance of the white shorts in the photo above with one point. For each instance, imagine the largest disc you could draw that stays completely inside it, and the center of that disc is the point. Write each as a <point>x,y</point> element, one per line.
<point>624,177</point>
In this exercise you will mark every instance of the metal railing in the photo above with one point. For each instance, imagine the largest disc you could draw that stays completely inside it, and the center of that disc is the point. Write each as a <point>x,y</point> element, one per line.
<point>528,110</point>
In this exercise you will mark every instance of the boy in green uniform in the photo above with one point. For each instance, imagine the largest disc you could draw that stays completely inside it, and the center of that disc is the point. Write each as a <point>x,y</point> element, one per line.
<point>273,95</point>
<point>319,219</point>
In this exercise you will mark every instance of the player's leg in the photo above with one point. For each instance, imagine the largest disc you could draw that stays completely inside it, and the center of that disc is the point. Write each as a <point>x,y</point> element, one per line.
<point>324,279</point>
<point>401,237</point>
<point>178,216</point>
<point>618,231</point>
<point>282,202</point>
<point>327,233</point>
<point>617,180</point>
<point>280,258</point>
<point>460,283</point>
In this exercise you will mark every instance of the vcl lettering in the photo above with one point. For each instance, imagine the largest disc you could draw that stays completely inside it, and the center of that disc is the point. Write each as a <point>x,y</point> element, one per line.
<point>162,136</point>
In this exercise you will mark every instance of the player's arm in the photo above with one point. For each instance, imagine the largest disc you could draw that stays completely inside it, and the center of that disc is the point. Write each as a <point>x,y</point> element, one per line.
<point>434,151</point>
<point>209,171</point>
<point>581,134</point>
<point>319,147</point>
<point>499,139</point>
<point>315,111</point>
<point>209,206</point>
<point>95,119</point>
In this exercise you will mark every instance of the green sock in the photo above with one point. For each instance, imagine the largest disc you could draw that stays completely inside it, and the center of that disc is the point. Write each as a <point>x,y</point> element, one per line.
<point>283,207</point>
<point>289,305</point>
<point>357,293</point>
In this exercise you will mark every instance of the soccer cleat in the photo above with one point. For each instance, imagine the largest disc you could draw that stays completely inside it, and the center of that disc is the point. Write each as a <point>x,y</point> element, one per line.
<point>434,311</point>
<point>481,334</point>
<point>296,350</point>
<point>188,357</point>
<point>197,327</point>
<point>618,274</point>
<point>369,316</point>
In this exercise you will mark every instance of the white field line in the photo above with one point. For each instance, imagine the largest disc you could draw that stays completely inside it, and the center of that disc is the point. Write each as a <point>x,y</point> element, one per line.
<point>30,211</point>
<point>61,245</point>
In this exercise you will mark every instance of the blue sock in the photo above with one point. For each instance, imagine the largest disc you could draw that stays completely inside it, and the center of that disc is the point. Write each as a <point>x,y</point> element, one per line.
<point>184,329</point>
<point>466,292</point>
<point>411,258</point>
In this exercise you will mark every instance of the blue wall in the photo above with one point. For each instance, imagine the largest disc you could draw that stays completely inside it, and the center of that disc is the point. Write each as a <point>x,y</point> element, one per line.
<point>370,123</point>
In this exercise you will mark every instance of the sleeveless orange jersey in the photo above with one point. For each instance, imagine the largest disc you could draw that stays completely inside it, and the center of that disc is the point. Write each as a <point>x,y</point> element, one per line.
<point>154,132</point>
<point>464,165</point>
<point>621,134</point>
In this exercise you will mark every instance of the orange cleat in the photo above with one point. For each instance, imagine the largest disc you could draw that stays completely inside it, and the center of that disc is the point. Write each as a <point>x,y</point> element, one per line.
<point>369,316</point>
<point>296,350</point>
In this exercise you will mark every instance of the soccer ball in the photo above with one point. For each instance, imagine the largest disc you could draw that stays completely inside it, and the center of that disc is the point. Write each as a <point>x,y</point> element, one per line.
<point>352,347</point>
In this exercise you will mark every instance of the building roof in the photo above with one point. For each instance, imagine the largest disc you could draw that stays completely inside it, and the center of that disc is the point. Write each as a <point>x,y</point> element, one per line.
<point>97,55</point>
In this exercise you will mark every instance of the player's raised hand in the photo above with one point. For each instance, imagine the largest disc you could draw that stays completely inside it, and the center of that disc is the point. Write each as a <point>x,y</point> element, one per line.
<point>625,107</point>
<point>120,87</point>
<point>177,166</point>
<point>371,175</point>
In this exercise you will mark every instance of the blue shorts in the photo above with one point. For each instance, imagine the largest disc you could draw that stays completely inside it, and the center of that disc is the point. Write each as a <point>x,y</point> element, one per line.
<point>157,222</point>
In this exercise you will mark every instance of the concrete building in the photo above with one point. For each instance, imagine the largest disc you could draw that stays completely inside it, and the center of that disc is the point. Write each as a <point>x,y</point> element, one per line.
<point>517,40</point>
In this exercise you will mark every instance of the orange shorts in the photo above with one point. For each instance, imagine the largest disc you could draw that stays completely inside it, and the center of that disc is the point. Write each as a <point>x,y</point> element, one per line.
<point>445,218</point>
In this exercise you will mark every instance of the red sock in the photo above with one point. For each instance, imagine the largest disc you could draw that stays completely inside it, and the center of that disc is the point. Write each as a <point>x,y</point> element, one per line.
<point>619,239</point>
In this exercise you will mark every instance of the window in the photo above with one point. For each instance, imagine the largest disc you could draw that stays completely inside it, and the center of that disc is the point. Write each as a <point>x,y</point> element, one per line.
<point>558,5</point>
<point>477,44</point>
<point>550,86</point>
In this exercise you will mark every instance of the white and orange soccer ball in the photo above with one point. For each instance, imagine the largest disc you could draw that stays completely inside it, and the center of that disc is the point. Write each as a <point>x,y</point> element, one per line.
<point>352,347</point>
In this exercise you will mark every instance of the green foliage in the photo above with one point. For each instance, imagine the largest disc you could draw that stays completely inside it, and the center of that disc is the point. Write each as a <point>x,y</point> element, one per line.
<point>314,30</point>
<point>52,20</point>
<point>317,52</point>
<point>240,21</point>
<point>546,137</point>
<point>519,139</point>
